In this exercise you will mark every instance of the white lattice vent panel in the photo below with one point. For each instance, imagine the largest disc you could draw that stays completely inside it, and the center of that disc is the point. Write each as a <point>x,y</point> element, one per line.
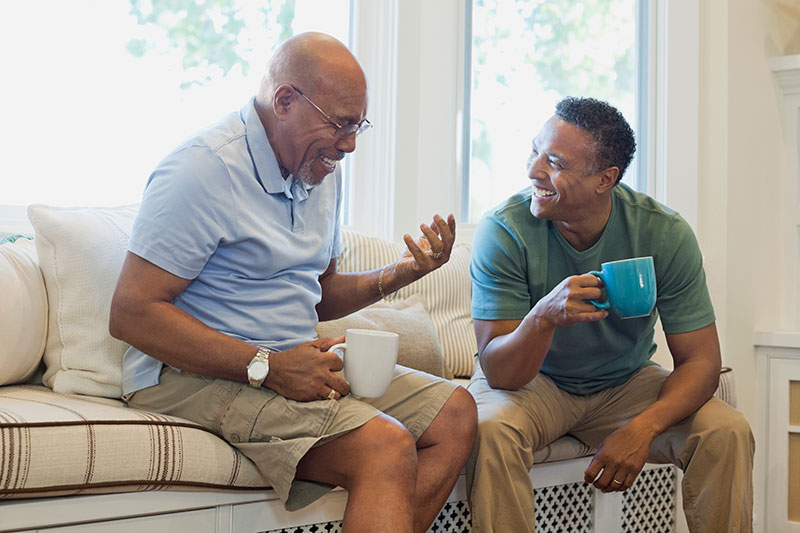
<point>649,505</point>
<point>454,518</point>
<point>564,508</point>
<point>325,527</point>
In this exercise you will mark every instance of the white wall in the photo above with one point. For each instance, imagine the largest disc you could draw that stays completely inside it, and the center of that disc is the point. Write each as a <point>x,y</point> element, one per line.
<point>740,168</point>
<point>740,186</point>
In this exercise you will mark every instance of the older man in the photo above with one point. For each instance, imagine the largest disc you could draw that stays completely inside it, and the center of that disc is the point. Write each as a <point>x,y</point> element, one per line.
<point>232,262</point>
<point>552,363</point>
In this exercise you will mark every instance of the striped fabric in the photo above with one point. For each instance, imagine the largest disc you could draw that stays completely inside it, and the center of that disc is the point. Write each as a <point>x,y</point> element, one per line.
<point>726,391</point>
<point>447,292</point>
<point>54,444</point>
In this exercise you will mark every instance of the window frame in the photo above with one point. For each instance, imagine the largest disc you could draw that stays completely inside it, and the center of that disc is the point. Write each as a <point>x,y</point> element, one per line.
<point>642,45</point>
<point>432,36</point>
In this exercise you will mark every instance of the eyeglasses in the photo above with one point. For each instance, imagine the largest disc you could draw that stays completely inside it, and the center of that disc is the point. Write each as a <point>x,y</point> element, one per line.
<point>342,130</point>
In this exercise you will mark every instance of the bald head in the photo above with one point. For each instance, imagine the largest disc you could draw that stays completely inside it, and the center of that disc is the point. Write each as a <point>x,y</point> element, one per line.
<point>316,62</point>
<point>313,87</point>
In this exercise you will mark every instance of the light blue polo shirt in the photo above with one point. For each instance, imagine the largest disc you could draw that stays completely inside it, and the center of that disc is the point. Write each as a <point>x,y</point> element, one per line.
<point>218,212</point>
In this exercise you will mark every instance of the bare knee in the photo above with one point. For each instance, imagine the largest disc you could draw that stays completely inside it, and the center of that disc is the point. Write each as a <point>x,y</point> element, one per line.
<point>383,447</point>
<point>381,450</point>
<point>455,424</point>
<point>384,435</point>
<point>460,415</point>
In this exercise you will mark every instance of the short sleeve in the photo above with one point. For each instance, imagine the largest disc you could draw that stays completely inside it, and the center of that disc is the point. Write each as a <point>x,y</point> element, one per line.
<point>683,301</point>
<point>186,212</point>
<point>500,289</point>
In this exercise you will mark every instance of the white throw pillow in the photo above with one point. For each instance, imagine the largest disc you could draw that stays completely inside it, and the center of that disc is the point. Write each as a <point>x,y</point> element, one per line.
<point>447,292</point>
<point>80,255</point>
<point>23,313</point>
<point>418,347</point>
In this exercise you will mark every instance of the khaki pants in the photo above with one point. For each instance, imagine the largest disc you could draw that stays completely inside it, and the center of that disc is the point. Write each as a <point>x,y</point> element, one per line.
<point>275,432</point>
<point>714,448</point>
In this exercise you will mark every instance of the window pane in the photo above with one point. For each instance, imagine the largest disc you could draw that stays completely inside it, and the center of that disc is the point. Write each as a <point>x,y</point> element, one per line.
<point>526,56</point>
<point>104,89</point>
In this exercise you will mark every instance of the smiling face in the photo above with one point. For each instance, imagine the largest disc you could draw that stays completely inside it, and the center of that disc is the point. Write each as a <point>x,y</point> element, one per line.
<point>561,189</point>
<point>312,82</point>
<point>564,188</point>
<point>316,147</point>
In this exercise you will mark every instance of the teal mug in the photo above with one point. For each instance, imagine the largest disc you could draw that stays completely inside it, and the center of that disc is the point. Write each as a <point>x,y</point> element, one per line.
<point>630,287</point>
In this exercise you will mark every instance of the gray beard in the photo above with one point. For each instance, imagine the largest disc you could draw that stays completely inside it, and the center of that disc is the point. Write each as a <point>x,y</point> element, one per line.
<point>304,174</point>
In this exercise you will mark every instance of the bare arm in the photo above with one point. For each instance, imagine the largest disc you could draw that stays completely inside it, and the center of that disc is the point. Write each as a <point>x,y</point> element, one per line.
<point>693,381</point>
<point>343,294</point>
<point>511,352</point>
<point>142,314</point>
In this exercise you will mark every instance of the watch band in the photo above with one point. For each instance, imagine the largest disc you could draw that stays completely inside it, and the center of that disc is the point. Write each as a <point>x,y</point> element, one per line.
<point>262,356</point>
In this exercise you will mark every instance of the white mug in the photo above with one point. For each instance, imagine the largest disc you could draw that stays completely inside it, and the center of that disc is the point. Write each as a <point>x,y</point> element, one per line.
<point>369,357</point>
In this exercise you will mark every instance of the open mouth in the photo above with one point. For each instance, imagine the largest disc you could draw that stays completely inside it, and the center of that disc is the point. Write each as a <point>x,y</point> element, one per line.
<point>538,192</point>
<point>328,163</point>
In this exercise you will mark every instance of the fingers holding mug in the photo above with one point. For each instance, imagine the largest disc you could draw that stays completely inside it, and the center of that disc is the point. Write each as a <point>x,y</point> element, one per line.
<point>333,395</point>
<point>629,286</point>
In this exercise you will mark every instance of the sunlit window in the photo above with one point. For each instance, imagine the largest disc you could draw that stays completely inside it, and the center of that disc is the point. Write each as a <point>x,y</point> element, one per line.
<point>95,93</point>
<point>525,56</point>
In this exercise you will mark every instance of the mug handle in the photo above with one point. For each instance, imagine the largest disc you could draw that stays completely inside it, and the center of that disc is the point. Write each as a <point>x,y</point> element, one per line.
<point>599,305</point>
<point>339,349</point>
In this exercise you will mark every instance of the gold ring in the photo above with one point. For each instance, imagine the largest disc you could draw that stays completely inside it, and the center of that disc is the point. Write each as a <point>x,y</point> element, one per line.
<point>615,482</point>
<point>332,395</point>
<point>437,255</point>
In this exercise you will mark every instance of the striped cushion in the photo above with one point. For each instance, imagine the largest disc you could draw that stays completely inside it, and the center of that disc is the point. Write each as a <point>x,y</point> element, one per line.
<point>447,292</point>
<point>55,444</point>
<point>726,391</point>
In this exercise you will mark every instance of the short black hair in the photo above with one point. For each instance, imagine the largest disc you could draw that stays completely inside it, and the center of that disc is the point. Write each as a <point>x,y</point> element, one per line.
<point>614,144</point>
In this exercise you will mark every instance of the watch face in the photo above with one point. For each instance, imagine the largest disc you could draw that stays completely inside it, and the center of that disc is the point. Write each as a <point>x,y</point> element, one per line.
<point>257,370</point>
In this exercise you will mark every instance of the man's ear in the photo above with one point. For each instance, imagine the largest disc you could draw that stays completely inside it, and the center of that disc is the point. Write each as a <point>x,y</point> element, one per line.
<point>608,178</point>
<point>282,101</point>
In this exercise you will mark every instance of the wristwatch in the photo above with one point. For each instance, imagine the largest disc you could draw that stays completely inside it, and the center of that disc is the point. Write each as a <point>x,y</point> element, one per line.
<point>258,368</point>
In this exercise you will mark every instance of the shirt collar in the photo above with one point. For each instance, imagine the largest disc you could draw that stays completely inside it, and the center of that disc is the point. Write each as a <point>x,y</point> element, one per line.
<point>268,171</point>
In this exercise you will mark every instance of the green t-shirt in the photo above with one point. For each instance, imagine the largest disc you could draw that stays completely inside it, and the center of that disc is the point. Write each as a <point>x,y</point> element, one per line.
<point>517,259</point>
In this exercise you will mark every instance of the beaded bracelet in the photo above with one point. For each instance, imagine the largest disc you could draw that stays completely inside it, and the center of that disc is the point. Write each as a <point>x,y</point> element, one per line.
<point>391,295</point>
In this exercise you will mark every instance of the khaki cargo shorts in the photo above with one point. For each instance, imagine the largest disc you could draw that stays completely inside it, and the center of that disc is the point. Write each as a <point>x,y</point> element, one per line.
<point>275,432</point>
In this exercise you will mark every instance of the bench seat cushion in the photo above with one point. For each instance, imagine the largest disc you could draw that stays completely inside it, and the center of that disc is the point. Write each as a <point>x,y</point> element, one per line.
<point>56,444</point>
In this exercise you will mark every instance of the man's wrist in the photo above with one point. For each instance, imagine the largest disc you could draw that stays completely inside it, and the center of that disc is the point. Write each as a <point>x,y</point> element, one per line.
<point>258,368</point>
<point>539,323</point>
<point>649,423</point>
<point>395,277</point>
<point>274,369</point>
<point>383,291</point>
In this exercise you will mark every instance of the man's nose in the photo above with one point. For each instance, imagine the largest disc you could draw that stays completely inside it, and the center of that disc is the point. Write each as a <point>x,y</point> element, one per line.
<point>347,143</point>
<point>533,166</point>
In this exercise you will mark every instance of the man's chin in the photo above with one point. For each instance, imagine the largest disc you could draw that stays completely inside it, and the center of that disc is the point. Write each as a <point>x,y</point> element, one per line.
<point>307,175</point>
<point>538,212</point>
<point>310,179</point>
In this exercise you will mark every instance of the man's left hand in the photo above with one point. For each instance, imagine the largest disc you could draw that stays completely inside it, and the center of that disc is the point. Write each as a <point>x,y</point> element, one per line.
<point>620,459</point>
<point>430,251</point>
